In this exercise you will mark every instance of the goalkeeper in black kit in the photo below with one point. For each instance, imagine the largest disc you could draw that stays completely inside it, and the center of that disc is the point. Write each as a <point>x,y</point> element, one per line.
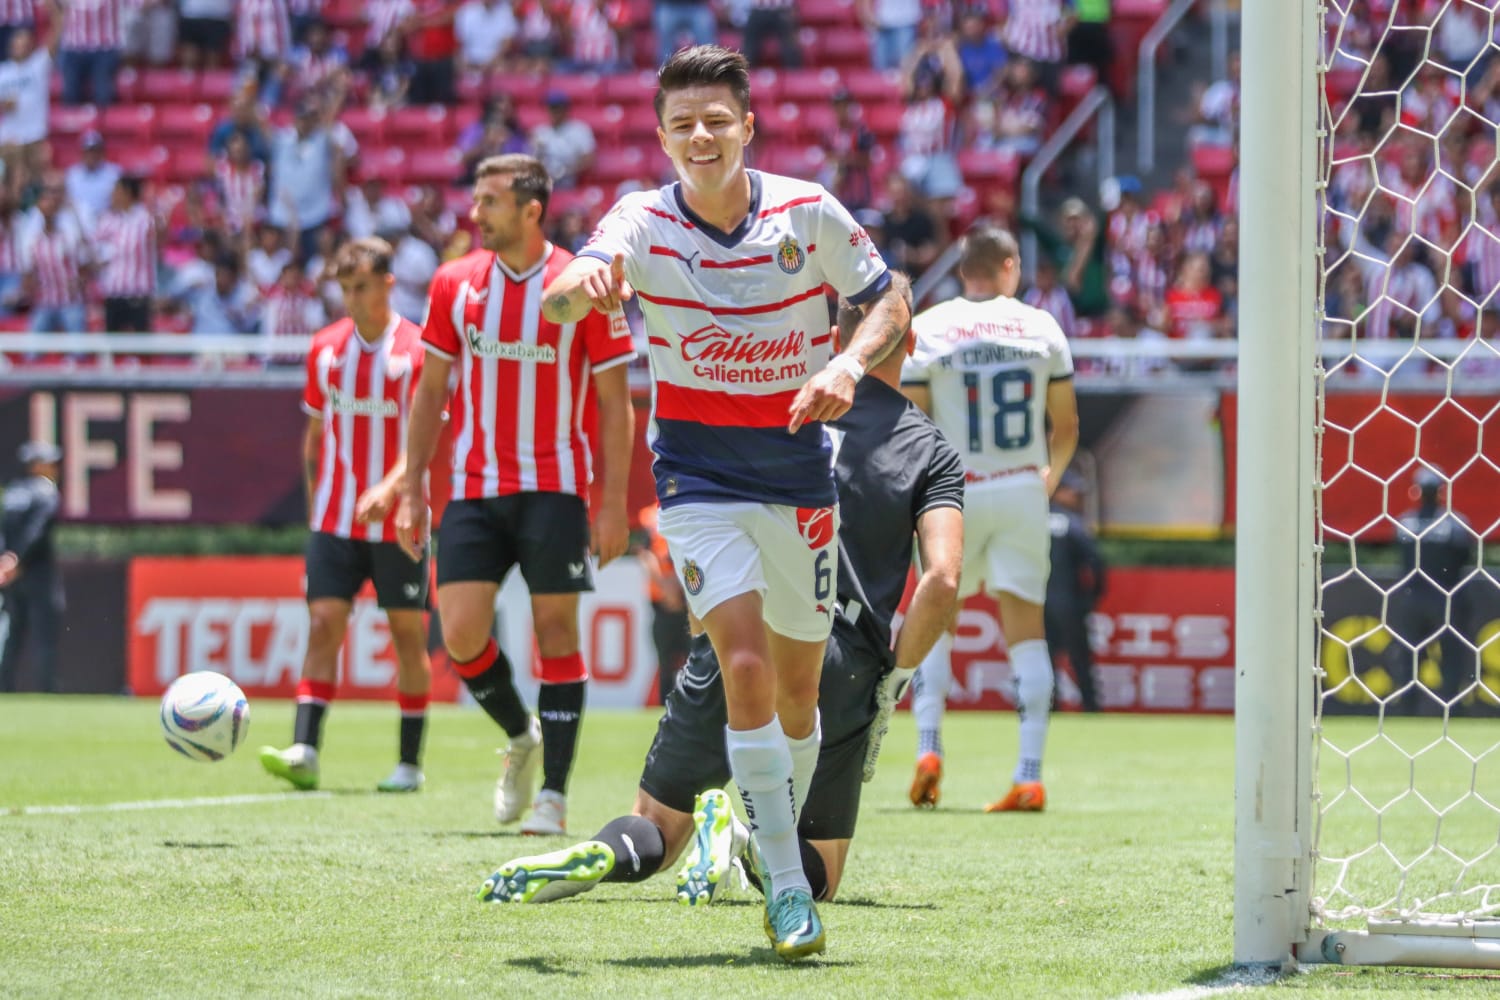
<point>897,477</point>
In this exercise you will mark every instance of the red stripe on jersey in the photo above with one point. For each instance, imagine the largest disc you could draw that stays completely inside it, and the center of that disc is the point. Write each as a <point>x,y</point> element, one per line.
<point>742,262</point>
<point>820,341</point>
<point>518,416</point>
<point>723,409</point>
<point>811,199</point>
<point>658,341</point>
<point>666,252</point>
<point>732,310</point>
<point>670,217</point>
<point>362,393</point>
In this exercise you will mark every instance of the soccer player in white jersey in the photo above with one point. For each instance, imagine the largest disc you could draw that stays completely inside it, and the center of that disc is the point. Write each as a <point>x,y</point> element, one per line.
<point>729,266</point>
<point>996,374</point>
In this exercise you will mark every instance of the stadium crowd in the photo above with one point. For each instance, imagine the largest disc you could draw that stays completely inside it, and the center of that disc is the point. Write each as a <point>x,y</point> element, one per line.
<point>194,165</point>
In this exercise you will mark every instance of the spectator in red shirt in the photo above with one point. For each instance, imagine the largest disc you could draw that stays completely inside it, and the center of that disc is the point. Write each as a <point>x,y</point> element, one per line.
<point>431,43</point>
<point>1194,306</point>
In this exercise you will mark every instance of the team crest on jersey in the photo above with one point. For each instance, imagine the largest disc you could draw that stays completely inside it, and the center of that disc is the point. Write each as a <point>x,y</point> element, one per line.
<point>815,525</point>
<point>692,577</point>
<point>789,256</point>
<point>398,368</point>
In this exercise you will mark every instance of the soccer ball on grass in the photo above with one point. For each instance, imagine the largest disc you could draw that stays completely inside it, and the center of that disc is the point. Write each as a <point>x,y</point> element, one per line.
<point>204,716</point>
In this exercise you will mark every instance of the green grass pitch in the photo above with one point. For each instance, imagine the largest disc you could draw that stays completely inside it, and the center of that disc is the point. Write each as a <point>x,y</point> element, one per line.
<point>1123,887</point>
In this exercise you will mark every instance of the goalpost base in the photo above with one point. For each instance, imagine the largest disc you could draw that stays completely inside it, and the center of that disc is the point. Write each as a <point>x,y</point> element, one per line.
<point>1466,944</point>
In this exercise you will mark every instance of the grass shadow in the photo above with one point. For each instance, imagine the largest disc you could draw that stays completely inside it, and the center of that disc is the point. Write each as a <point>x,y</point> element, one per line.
<point>758,957</point>
<point>477,834</point>
<point>543,966</point>
<point>199,845</point>
<point>877,904</point>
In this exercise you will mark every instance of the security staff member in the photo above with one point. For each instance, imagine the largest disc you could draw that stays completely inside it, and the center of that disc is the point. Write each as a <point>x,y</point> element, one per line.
<point>30,584</point>
<point>1436,543</point>
<point>1074,586</point>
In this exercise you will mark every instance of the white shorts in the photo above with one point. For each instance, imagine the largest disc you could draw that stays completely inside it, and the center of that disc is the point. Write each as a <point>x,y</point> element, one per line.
<point>1007,538</point>
<point>787,554</point>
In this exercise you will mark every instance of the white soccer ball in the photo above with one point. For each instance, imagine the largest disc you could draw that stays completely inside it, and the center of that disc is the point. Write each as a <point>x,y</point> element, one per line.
<point>204,716</point>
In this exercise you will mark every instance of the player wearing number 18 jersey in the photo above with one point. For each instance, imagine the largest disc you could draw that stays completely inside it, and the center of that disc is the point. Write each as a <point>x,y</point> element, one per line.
<point>994,373</point>
<point>729,265</point>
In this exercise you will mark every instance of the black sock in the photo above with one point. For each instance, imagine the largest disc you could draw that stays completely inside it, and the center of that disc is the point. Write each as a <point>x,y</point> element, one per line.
<point>494,689</point>
<point>309,725</point>
<point>560,707</point>
<point>812,866</point>
<point>638,846</point>
<point>412,728</point>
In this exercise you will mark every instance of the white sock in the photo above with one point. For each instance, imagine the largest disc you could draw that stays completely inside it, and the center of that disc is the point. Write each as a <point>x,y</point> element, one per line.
<point>761,763</point>
<point>805,762</point>
<point>929,694</point>
<point>1032,667</point>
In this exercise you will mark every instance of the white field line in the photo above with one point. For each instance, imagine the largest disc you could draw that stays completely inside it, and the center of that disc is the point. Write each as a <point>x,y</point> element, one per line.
<point>105,807</point>
<point>1235,981</point>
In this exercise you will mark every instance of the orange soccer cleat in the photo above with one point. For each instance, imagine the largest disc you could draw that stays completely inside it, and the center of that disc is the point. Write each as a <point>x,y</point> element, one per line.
<point>1028,796</point>
<point>924,787</point>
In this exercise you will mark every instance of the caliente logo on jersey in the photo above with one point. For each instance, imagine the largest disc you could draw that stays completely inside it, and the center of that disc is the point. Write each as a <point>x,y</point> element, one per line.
<point>816,525</point>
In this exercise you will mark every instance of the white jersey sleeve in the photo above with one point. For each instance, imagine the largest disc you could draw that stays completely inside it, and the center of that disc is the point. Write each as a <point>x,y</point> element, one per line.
<point>846,254</point>
<point>625,230</point>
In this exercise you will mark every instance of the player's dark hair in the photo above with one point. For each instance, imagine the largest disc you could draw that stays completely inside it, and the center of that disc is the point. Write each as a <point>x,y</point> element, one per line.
<point>370,250</point>
<point>984,251</point>
<point>849,315</point>
<point>132,186</point>
<point>704,66</point>
<point>529,180</point>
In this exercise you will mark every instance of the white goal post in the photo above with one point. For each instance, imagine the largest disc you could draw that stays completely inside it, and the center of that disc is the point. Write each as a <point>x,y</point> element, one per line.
<point>1370,838</point>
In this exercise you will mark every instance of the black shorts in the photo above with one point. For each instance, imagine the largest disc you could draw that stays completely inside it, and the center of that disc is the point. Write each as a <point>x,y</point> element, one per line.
<point>546,533</point>
<point>208,33</point>
<point>338,567</point>
<point>127,314</point>
<point>688,755</point>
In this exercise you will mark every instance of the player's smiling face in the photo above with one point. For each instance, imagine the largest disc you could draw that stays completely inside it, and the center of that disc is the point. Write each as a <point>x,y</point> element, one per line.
<point>705,131</point>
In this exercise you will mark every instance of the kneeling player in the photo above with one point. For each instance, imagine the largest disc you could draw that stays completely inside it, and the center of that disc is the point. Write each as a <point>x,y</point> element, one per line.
<point>897,476</point>
<point>360,376</point>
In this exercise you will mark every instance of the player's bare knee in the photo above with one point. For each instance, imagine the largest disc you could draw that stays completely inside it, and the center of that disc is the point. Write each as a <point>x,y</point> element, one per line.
<point>743,666</point>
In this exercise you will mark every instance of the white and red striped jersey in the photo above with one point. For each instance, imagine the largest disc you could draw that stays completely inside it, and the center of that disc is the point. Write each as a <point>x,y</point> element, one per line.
<point>1031,30</point>
<point>988,364</point>
<point>383,16</point>
<point>1481,252</point>
<point>310,69</point>
<point>594,40</point>
<point>127,246</point>
<point>1056,303</point>
<point>242,192</point>
<point>304,8</point>
<point>291,313</point>
<point>1129,232</point>
<point>262,30</point>
<point>55,258</point>
<point>362,393</point>
<point>737,323</point>
<point>90,25</point>
<point>523,382</point>
<point>14,13</point>
<point>925,127</point>
<point>1405,292</point>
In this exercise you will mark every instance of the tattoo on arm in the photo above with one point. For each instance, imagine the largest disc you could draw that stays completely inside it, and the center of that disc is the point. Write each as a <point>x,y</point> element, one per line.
<point>556,307</point>
<point>881,330</point>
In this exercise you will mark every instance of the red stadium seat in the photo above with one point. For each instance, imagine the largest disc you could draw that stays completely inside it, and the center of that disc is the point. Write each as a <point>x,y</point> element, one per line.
<point>420,127</point>
<point>579,87</point>
<point>792,160</point>
<point>367,124</point>
<point>141,160</point>
<point>432,166</point>
<point>604,119</point>
<point>168,86</point>
<point>185,124</point>
<point>519,87</point>
<point>65,121</point>
<point>472,88</point>
<point>217,86</point>
<point>865,83</point>
<point>883,119</point>
<point>839,46</point>
<point>804,86</point>
<point>983,168</point>
<point>128,123</point>
<point>638,124</point>
<point>611,166</point>
<point>826,12</point>
<point>185,163</point>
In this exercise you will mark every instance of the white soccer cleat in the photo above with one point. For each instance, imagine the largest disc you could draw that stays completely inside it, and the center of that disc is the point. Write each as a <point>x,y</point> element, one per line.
<point>549,815</point>
<point>517,782</point>
<point>405,778</point>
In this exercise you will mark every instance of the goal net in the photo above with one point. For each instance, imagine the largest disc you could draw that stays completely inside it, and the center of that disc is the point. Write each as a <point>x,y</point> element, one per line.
<point>1385,847</point>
